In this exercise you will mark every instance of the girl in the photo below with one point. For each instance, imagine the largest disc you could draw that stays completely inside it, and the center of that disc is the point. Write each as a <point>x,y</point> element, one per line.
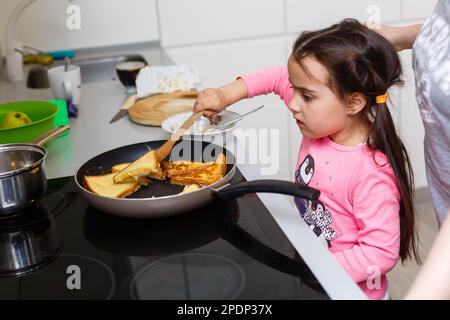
<point>335,85</point>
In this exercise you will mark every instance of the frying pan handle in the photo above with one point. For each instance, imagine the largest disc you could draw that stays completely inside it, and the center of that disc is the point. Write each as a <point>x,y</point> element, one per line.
<point>269,186</point>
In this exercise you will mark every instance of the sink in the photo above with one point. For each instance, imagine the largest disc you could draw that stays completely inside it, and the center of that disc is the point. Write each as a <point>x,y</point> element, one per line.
<point>92,69</point>
<point>103,68</point>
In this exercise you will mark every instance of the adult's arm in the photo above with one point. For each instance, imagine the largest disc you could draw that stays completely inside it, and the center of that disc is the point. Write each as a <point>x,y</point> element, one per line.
<point>400,37</point>
<point>433,280</point>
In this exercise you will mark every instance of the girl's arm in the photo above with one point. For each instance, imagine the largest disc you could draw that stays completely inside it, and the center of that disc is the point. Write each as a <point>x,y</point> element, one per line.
<point>270,80</point>
<point>400,37</point>
<point>433,281</point>
<point>375,201</point>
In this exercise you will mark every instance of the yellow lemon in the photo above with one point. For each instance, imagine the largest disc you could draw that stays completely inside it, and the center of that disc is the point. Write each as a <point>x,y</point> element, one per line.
<point>15,119</point>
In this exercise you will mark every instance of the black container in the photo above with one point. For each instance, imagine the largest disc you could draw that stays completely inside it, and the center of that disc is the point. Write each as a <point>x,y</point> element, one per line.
<point>128,71</point>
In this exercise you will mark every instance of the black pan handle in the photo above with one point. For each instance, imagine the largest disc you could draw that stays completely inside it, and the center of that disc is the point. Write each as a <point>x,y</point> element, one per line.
<point>269,186</point>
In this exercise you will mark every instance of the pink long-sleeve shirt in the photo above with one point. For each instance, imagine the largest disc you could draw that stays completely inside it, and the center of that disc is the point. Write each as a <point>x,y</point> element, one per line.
<point>357,214</point>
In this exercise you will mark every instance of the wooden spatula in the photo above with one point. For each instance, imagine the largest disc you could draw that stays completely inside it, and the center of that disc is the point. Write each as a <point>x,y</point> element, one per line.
<point>166,148</point>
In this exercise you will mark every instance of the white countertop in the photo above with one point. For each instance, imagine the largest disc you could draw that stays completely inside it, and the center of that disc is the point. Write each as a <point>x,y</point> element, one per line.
<point>91,134</point>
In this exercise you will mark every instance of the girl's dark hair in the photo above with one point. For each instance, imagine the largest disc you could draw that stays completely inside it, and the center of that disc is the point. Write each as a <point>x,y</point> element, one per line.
<point>360,60</point>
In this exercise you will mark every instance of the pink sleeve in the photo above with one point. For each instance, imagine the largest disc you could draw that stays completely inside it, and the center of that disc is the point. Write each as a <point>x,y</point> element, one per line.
<point>270,80</point>
<point>376,209</point>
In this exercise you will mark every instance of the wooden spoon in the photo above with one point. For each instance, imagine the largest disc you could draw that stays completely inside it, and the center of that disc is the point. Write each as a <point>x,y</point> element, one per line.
<point>166,148</point>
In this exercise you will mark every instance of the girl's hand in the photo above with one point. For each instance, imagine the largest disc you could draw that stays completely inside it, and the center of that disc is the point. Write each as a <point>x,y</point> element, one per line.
<point>211,101</point>
<point>214,100</point>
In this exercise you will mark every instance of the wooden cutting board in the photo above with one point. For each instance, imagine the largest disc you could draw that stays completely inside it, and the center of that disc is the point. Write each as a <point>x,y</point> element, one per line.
<point>153,110</point>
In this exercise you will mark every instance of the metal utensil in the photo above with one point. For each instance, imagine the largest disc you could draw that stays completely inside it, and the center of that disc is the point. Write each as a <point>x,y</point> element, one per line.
<point>128,103</point>
<point>66,64</point>
<point>223,125</point>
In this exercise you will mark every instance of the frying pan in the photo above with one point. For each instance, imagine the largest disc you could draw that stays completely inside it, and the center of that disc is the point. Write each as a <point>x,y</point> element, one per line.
<point>161,198</point>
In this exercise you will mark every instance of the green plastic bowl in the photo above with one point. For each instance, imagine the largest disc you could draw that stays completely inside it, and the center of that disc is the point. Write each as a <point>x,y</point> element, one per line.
<point>40,112</point>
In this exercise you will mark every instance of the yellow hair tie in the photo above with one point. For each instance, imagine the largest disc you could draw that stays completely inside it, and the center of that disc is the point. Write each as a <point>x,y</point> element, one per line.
<point>381,99</point>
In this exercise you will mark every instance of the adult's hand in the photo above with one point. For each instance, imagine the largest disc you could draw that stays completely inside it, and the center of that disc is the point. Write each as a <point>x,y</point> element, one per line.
<point>400,37</point>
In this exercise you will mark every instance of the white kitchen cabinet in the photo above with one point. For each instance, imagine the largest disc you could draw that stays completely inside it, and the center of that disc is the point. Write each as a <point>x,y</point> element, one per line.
<point>304,15</point>
<point>221,63</point>
<point>417,9</point>
<point>102,22</point>
<point>197,21</point>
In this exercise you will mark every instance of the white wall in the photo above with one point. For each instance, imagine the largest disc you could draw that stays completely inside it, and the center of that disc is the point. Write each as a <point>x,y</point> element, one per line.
<point>103,23</point>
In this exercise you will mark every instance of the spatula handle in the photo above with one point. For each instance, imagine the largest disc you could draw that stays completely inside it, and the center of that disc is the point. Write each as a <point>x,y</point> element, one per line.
<point>165,149</point>
<point>186,126</point>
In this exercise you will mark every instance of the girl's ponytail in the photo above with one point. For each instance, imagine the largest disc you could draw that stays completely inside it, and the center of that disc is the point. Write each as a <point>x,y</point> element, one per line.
<point>383,137</point>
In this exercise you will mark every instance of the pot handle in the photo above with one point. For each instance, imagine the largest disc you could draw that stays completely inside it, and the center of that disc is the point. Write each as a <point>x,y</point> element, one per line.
<point>269,186</point>
<point>53,133</point>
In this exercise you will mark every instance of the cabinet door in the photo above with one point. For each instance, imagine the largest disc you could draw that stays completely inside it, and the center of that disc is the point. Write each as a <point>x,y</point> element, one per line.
<point>198,21</point>
<point>303,15</point>
<point>102,23</point>
<point>222,63</point>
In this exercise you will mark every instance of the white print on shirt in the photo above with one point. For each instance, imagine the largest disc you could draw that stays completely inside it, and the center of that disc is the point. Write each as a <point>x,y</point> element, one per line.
<point>434,40</point>
<point>316,216</point>
<point>443,73</point>
<point>423,98</point>
<point>306,170</point>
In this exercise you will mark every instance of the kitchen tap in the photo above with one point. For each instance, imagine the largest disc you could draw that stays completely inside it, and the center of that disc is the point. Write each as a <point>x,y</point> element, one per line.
<point>13,52</point>
<point>14,64</point>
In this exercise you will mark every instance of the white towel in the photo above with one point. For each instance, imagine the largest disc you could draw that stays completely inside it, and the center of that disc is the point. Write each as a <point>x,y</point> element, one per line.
<point>159,79</point>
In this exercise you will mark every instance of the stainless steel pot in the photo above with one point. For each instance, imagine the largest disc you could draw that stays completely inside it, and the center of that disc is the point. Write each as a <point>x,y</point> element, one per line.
<point>22,174</point>
<point>27,242</point>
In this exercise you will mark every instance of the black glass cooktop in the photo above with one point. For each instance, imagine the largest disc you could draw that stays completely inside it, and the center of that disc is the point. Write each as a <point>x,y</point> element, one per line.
<point>65,249</point>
